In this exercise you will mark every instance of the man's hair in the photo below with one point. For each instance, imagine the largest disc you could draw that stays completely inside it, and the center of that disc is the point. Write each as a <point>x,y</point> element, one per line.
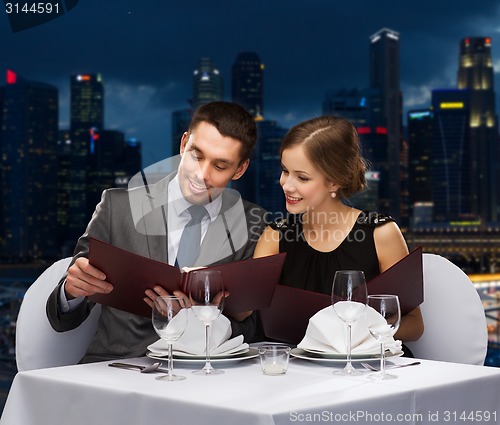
<point>231,120</point>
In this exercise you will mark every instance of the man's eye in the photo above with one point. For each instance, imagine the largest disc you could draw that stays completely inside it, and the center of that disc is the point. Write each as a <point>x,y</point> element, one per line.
<point>195,156</point>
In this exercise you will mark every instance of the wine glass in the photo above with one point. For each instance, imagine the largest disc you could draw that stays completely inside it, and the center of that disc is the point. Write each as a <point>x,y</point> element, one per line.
<point>388,307</point>
<point>206,294</point>
<point>349,302</point>
<point>169,319</point>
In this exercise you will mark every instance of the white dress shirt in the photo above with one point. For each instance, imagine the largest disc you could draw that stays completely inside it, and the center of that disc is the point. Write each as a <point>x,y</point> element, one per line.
<point>177,218</point>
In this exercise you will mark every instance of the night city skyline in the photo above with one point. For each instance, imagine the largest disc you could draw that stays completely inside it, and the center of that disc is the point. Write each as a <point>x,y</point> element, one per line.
<point>147,54</point>
<point>134,62</point>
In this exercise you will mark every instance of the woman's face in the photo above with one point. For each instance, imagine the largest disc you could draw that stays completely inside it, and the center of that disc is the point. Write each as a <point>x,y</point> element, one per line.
<point>306,188</point>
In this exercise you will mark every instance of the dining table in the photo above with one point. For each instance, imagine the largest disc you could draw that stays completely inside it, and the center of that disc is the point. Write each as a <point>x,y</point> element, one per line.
<point>432,392</point>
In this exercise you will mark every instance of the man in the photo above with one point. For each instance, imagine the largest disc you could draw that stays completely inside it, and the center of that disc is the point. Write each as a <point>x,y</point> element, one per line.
<point>214,151</point>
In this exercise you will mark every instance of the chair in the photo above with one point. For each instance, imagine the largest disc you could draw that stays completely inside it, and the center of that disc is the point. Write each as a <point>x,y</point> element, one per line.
<point>38,345</point>
<point>453,314</point>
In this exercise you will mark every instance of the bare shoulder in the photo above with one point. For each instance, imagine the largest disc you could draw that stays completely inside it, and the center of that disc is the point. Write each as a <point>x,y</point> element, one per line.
<point>268,243</point>
<point>390,245</point>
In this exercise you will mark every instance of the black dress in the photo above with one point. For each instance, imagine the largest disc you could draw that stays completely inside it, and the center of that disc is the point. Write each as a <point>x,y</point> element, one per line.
<point>312,270</point>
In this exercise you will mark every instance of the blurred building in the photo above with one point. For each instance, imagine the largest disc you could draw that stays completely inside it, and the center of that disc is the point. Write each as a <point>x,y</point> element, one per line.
<point>368,199</point>
<point>260,183</point>
<point>453,172</point>
<point>208,85</point>
<point>386,113</point>
<point>180,124</point>
<point>420,134</point>
<point>112,162</point>
<point>87,112</point>
<point>475,73</point>
<point>64,190</point>
<point>248,83</point>
<point>351,104</point>
<point>29,134</point>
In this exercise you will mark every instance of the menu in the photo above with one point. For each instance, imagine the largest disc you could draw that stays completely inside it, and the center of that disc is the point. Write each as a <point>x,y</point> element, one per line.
<point>250,283</point>
<point>287,317</point>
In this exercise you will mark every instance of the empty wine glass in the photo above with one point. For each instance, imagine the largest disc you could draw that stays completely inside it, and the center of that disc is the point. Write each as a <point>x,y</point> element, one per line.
<point>206,294</point>
<point>169,319</point>
<point>388,307</point>
<point>349,302</point>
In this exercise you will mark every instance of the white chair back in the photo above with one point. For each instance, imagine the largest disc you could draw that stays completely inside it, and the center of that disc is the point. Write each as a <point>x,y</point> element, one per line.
<point>38,345</point>
<point>453,314</point>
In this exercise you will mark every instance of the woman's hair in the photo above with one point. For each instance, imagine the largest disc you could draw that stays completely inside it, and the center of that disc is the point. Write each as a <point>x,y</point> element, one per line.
<point>332,144</point>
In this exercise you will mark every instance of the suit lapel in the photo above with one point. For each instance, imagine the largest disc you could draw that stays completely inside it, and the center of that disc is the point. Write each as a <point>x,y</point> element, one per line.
<point>154,219</point>
<point>227,233</point>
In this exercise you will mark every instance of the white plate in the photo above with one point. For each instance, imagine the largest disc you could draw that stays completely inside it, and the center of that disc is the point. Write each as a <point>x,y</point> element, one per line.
<point>181,355</point>
<point>247,354</point>
<point>338,358</point>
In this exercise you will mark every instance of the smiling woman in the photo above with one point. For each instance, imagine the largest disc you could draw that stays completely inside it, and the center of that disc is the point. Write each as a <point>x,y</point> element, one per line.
<point>322,166</point>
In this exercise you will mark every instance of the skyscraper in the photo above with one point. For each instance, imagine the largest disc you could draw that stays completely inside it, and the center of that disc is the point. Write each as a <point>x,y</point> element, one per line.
<point>29,169</point>
<point>420,136</point>
<point>386,111</point>
<point>260,183</point>
<point>87,112</point>
<point>453,172</point>
<point>208,85</point>
<point>248,83</point>
<point>350,104</point>
<point>180,123</point>
<point>475,73</point>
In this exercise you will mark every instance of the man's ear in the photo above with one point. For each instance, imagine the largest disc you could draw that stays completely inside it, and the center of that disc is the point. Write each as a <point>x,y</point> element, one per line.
<point>241,169</point>
<point>184,141</point>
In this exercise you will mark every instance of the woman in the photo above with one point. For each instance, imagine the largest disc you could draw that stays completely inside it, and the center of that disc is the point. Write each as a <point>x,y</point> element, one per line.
<point>322,166</point>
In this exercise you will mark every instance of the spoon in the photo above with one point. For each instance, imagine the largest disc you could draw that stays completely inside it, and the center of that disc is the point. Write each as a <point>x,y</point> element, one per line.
<point>370,367</point>
<point>155,367</point>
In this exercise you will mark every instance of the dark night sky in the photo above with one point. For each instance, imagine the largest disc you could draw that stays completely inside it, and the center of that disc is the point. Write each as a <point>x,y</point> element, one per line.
<point>146,51</point>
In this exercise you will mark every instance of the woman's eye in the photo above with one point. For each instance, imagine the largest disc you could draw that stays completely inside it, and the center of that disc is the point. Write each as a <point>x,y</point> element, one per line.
<point>303,179</point>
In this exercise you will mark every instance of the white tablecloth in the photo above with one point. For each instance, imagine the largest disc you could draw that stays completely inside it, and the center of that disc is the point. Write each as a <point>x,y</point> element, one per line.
<point>433,392</point>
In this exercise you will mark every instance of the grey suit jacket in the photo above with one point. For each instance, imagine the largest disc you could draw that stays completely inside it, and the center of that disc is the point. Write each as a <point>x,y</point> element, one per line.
<point>142,229</point>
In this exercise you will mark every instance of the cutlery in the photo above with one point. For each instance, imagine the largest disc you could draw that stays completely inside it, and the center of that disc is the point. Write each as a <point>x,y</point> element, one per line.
<point>155,367</point>
<point>370,367</point>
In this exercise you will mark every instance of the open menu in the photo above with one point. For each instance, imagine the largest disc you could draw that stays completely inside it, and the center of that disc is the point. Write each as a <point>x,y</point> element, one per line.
<point>287,317</point>
<point>250,283</point>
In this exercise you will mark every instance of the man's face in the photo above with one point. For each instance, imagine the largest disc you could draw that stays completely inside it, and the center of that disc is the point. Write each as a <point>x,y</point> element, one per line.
<point>209,162</point>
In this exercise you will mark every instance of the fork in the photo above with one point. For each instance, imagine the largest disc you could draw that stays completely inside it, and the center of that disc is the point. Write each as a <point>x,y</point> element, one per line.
<point>396,366</point>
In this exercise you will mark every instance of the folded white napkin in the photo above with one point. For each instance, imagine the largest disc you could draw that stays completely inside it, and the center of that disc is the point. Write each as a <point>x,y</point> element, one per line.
<point>192,341</point>
<point>327,333</point>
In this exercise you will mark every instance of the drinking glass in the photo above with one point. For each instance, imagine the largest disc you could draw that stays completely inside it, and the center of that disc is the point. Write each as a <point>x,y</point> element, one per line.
<point>349,302</point>
<point>169,319</point>
<point>388,307</point>
<point>206,294</point>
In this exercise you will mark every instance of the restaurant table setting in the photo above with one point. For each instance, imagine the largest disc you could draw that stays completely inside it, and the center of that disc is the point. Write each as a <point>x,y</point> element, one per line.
<point>244,395</point>
<point>326,335</point>
<point>192,343</point>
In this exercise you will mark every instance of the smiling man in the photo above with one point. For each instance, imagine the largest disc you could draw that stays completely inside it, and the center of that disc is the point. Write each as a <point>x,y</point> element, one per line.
<point>151,221</point>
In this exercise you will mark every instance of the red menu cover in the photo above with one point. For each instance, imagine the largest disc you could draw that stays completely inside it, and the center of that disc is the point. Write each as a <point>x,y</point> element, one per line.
<point>287,317</point>
<point>250,283</point>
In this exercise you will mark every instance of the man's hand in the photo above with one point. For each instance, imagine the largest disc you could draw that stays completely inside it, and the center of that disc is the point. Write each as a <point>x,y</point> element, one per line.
<point>151,294</point>
<point>83,279</point>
